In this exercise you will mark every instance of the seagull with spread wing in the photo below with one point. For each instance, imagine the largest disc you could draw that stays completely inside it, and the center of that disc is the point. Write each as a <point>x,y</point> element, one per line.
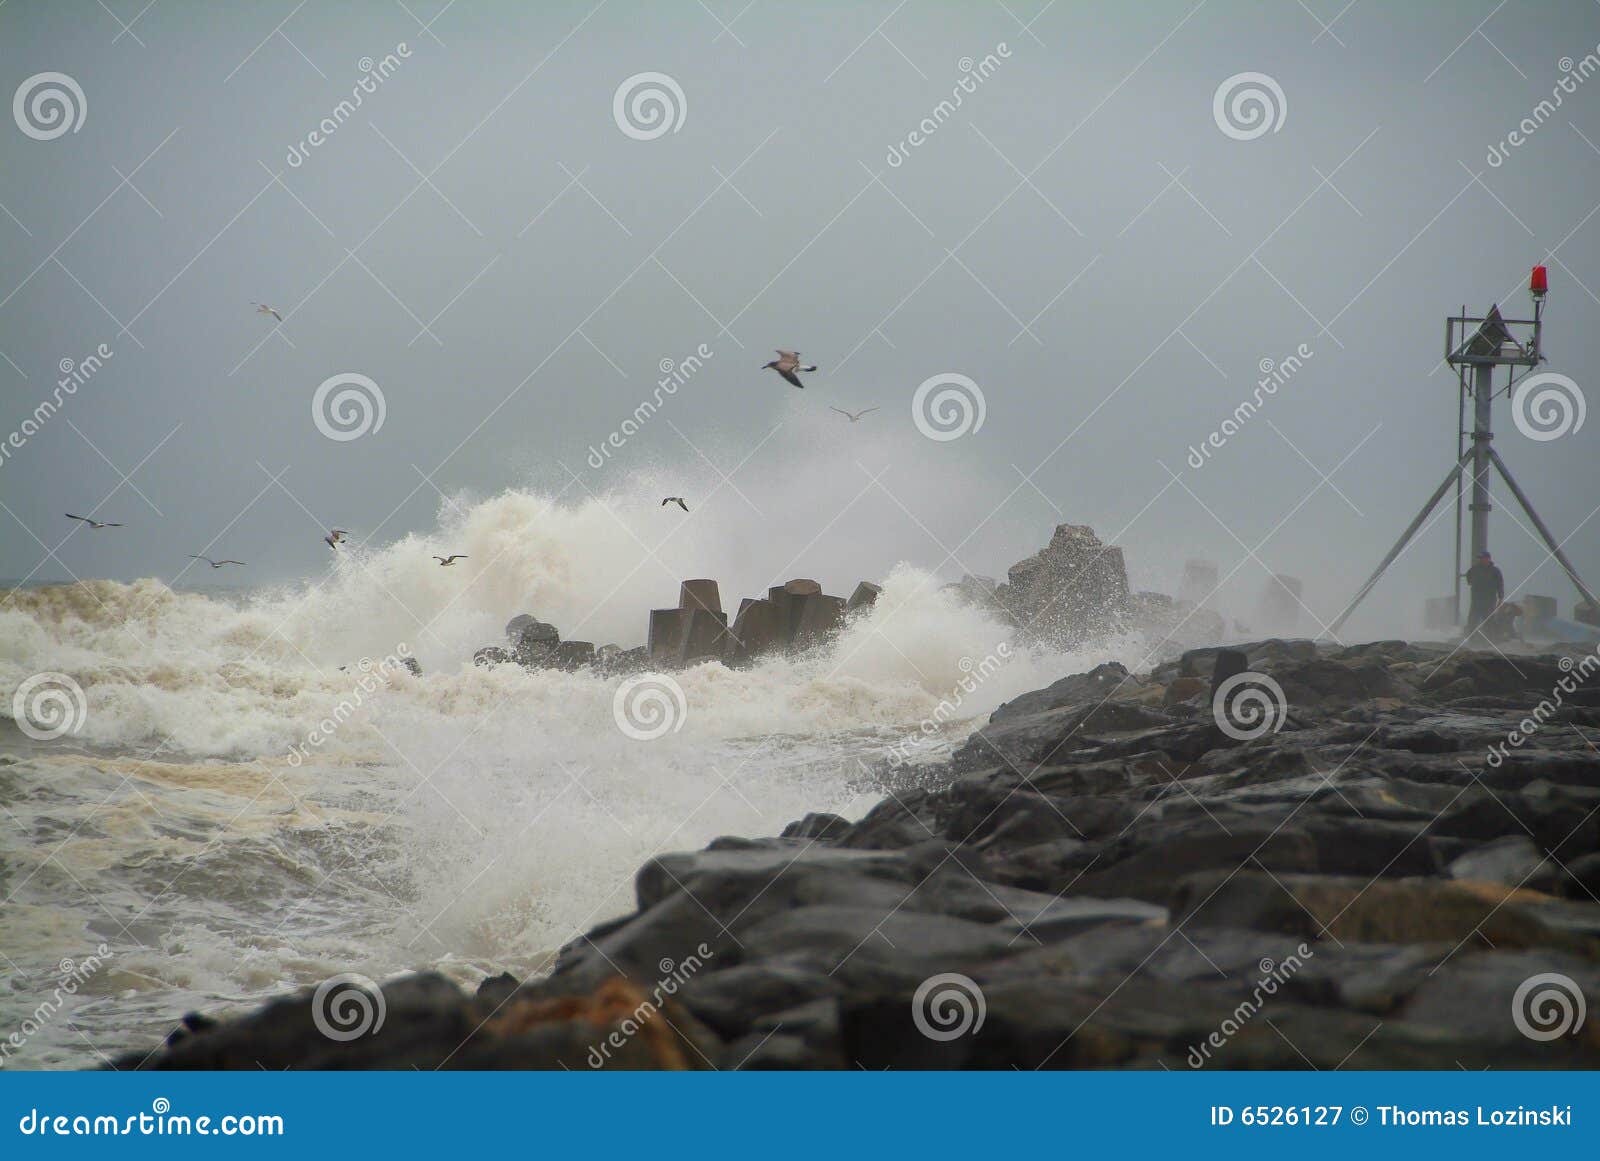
<point>96,524</point>
<point>678,500</point>
<point>214,563</point>
<point>334,537</point>
<point>447,561</point>
<point>856,417</point>
<point>786,364</point>
<point>263,308</point>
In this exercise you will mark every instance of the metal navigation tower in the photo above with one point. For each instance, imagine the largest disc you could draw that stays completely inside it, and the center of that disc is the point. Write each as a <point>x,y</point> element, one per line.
<point>1475,347</point>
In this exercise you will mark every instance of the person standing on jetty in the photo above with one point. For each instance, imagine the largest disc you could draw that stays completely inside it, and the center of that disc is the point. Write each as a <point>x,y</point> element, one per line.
<point>1488,587</point>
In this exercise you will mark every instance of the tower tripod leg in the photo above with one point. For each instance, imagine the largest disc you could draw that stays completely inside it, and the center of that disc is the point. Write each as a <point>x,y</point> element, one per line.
<point>1550,541</point>
<point>1405,538</point>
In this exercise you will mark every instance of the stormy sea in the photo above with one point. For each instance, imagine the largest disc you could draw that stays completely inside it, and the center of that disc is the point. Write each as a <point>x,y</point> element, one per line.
<point>254,795</point>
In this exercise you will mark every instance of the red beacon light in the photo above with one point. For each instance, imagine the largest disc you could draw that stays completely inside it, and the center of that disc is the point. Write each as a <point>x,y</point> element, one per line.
<point>1539,282</point>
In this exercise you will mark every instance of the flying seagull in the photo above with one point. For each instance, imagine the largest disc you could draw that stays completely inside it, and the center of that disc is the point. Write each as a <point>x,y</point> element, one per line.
<point>856,418</point>
<point>263,308</point>
<point>92,523</point>
<point>334,537</point>
<point>786,364</point>
<point>447,561</point>
<point>678,500</point>
<point>214,563</point>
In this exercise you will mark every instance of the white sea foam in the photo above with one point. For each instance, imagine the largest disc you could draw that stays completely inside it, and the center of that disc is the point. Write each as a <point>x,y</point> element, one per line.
<point>470,819</point>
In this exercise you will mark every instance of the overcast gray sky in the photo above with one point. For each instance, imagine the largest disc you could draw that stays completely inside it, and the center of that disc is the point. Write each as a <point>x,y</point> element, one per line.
<point>1080,238</point>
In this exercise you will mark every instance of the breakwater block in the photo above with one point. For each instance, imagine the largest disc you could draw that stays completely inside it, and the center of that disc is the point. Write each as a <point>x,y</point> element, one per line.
<point>704,635</point>
<point>865,596</point>
<point>666,634</point>
<point>1537,610</point>
<point>700,594</point>
<point>755,631</point>
<point>817,618</point>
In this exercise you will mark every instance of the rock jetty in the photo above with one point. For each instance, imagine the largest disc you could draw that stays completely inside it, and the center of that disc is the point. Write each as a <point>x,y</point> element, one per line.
<point>1283,855</point>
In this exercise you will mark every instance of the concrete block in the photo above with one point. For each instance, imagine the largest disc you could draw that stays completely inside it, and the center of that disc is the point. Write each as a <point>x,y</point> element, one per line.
<point>700,594</point>
<point>704,636</point>
<point>866,595</point>
<point>1537,610</point>
<point>665,641</point>
<point>574,654</point>
<point>755,632</point>
<point>816,619</point>
<point>1441,614</point>
<point>1199,581</point>
<point>1279,607</point>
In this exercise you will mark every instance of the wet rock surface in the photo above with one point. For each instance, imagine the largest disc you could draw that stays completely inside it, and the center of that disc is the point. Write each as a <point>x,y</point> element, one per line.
<point>1396,866</point>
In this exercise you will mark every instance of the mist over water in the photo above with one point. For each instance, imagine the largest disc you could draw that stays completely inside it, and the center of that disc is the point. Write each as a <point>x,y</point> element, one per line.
<point>470,820</point>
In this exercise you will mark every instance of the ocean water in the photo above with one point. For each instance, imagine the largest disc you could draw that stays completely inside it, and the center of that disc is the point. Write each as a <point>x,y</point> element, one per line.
<point>204,827</point>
